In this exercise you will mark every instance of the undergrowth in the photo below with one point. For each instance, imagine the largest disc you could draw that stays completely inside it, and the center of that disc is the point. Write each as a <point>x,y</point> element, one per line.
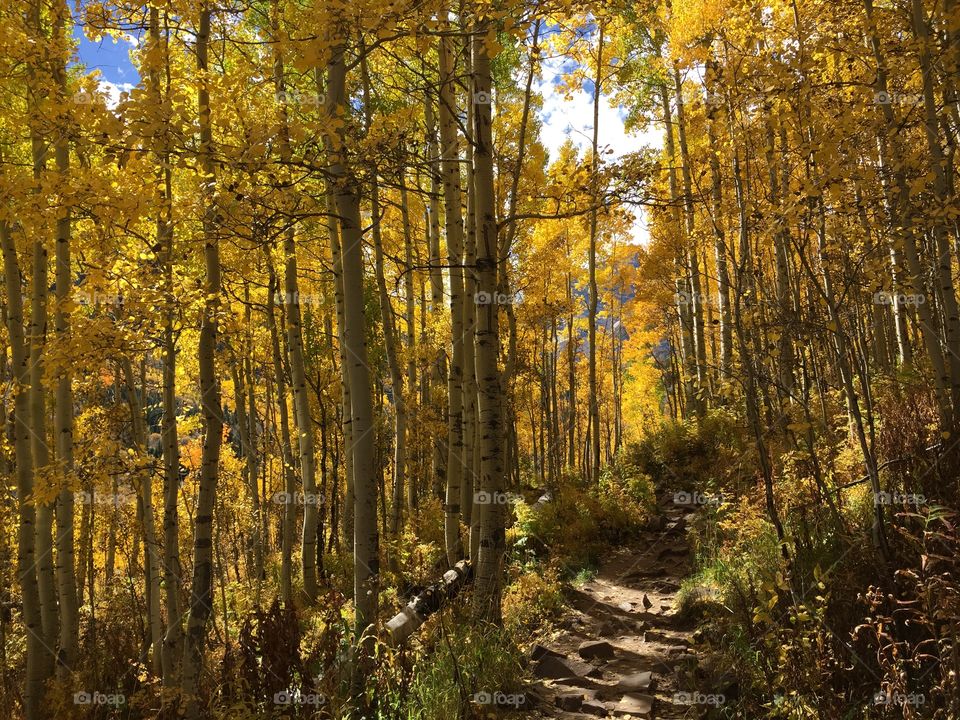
<point>831,632</point>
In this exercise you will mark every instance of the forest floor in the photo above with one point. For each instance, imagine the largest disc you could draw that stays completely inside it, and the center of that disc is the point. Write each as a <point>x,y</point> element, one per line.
<point>624,650</point>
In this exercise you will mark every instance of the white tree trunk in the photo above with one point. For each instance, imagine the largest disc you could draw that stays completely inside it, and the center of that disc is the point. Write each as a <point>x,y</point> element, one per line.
<point>357,376</point>
<point>34,677</point>
<point>491,550</point>
<point>450,170</point>
<point>201,594</point>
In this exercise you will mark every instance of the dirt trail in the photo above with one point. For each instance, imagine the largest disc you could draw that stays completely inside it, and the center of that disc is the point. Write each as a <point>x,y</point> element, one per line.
<point>623,650</point>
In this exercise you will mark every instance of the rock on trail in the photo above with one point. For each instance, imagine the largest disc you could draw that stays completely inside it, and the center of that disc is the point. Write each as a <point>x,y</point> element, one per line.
<point>624,651</point>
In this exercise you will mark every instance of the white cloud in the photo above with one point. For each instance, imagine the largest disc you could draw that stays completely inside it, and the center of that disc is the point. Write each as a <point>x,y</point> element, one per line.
<point>112,90</point>
<point>573,118</point>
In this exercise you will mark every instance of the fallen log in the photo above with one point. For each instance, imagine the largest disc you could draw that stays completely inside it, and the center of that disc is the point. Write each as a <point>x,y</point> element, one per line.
<point>427,602</point>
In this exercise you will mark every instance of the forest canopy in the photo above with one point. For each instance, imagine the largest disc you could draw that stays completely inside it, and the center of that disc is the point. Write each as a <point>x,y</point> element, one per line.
<point>374,359</point>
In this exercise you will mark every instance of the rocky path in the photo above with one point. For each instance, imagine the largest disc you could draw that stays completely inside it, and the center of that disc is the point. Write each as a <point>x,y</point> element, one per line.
<point>624,651</point>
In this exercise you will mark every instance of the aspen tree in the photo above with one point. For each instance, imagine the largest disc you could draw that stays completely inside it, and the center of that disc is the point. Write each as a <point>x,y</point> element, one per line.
<point>356,371</point>
<point>201,592</point>
<point>453,222</point>
<point>491,539</point>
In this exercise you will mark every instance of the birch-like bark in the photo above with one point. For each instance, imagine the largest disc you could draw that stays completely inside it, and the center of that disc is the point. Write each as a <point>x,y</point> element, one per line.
<point>437,366</point>
<point>357,376</point>
<point>201,592</point>
<point>37,76</point>
<point>63,408</point>
<point>172,580</point>
<point>471,518</point>
<point>35,673</point>
<point>346,404</point>
<point>453,220</point>
<point>492,541</point>
<point>410,338</point>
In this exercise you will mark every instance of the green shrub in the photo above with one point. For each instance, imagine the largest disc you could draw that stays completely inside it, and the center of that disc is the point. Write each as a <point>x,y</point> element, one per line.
<point>457,664</point>
<point>709,454</point>
<point>579,521</point>
<point>532,599</point>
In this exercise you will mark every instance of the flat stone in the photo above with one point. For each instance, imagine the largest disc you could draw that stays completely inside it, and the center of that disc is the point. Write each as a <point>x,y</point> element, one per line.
<point>589,685</point>
<point>570,702</point>
<point>634,704</point>
<point>595,707</point>
<point>558,668</point>
<point>539,651</point>
<point>636,681</point>
<point>596,649</point>
<point>626,606</point>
